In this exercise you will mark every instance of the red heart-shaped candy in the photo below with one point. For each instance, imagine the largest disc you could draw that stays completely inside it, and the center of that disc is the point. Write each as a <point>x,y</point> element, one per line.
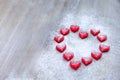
<point>96,55</point>
<point>61,48</point>
<point>104,48</point>
<point>74,28</point>
<point>64,31</point>
<point>94,32</point>
<point>68,55</point>
<point>59,38</point>
<point>75,64</point>
<point>86,60</point>
<point>83,35</point>
<point>102,38</point>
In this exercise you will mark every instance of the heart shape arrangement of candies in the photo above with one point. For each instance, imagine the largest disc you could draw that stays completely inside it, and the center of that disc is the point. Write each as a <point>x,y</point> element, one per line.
<point>68,56</point>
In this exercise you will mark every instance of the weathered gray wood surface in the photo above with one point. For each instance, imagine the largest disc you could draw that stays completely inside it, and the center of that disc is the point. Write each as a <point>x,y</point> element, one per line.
<point>25,34</point>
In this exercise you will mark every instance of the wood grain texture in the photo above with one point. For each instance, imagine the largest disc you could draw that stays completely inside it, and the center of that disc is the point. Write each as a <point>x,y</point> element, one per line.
<point>25,27</point>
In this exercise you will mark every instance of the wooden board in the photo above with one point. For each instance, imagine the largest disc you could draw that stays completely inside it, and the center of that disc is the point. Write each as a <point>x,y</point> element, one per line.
<point>25,33</point>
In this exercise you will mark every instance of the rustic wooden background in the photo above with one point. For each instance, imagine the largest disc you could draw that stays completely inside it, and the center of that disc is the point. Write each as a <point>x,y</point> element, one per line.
<point>25,27</point>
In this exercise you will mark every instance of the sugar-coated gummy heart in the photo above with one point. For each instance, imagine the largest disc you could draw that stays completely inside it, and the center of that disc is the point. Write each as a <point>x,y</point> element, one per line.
<point>102,38</point>
<point>68,55</point>
<point>59,38</point>
<point>64,31</point>
<point>96,55</point>
<point>104,48</point>
<point>75,64</point>
<point>94,32</point>
<point>86,60</point>
<point>74,28</point>
<point>83,35</point>
<point>61,48</point>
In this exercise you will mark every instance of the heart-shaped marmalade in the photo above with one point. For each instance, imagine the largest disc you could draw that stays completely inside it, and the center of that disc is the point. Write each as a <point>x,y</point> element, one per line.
<point>68,56</point>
